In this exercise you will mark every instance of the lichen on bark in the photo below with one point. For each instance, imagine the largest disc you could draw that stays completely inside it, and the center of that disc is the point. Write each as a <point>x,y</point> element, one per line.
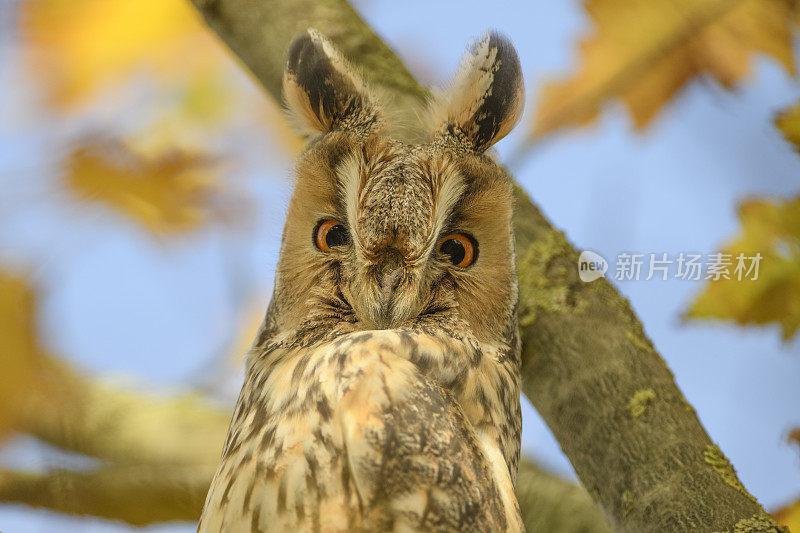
<point>544,271</point>
<point>760,523</point>
<point>722,466</point>
<point>639,402</point>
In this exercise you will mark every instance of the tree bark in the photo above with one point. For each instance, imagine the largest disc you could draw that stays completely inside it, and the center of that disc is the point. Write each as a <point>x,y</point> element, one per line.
<point>588,367</point>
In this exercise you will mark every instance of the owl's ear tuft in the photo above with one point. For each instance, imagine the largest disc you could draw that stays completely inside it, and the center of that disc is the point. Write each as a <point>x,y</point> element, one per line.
<point>485,100</point>
<point>322,91</point>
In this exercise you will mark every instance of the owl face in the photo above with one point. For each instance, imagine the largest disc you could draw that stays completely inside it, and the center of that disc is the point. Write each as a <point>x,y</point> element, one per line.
<point>381,234</point>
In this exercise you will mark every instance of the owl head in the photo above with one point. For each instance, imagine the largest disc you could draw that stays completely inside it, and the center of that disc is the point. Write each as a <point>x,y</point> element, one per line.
<point>381,234</point>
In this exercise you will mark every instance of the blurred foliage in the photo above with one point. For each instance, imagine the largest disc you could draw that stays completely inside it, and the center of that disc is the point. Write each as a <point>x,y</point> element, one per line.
<point>643,51</point>
<point>18,346</point>
<point>771,228</point>
<point>788,122</point>
<point>789,516</point>
<point>172,91</point>
<point>169,192</point>
<point>83,46</point>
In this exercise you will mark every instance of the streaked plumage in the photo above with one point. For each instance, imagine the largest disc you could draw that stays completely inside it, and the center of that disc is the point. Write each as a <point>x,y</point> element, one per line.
<point>382,391</point>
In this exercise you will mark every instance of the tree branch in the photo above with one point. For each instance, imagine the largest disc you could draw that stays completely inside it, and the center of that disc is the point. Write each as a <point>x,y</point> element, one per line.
<point>585,354</point>
<point>550,504</point>
<point>138,494</point>
<point>74,413</point>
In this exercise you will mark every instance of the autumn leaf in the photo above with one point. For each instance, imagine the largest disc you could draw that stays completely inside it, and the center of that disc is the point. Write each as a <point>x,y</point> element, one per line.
<point>771,228</point>
<point>78,46</point>
<point>171,192</point>
<point>794,436</point>
<point>788,122</point>
<point>19,351</point>
<point>644,51</point>
<point>789,516</point>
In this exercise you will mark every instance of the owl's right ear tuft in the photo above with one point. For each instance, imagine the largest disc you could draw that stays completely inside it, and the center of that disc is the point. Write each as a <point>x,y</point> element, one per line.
<point>322,92</point>
<point>486,98</point>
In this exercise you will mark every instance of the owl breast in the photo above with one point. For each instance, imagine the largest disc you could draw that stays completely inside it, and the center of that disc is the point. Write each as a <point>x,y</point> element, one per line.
<point>353,438</point>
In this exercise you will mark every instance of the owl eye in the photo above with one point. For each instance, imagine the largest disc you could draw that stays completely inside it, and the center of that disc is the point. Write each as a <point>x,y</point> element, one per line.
<point>460,249</point>
<point>329,234</point>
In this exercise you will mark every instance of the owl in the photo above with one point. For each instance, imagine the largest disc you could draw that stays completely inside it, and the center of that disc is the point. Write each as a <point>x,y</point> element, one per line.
<point>382,390</point>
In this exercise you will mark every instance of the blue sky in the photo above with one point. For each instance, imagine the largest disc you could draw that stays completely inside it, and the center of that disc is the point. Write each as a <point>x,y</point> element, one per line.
<point>672,189</point>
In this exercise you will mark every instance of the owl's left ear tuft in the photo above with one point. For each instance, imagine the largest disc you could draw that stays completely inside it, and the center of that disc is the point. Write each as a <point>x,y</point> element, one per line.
<point>322,91</point>
<point>486,98</point>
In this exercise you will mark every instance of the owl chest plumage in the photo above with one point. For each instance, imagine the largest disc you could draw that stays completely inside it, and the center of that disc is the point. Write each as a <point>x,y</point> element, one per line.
<point>351,435</point>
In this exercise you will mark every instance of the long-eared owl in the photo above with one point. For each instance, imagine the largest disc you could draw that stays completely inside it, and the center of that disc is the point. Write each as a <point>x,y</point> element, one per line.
<point>382,390</point>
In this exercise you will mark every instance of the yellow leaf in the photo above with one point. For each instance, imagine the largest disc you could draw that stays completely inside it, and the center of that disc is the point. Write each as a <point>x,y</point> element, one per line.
<point>644,51</point>
<point>789,516</point>
<point>78,48</point>
<point>80,45</point>
<point>771,228</point>
<point>166,193</point>
<point>789,123</point>
<point>19,351</point>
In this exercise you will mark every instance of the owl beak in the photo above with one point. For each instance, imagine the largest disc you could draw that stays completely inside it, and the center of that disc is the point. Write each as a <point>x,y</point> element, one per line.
<point>388,298</point>
<point>389,283</point>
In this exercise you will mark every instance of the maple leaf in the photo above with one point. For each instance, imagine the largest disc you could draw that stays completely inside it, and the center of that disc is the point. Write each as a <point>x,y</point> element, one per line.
<point>169,192</point>
<point>772,229</point>
<point>644,51</point>
<point>20,353</point>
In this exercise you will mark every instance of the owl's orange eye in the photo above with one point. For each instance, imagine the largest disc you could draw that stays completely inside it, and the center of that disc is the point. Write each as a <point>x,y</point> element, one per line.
<point>330,233</point>
<point>460,249</point>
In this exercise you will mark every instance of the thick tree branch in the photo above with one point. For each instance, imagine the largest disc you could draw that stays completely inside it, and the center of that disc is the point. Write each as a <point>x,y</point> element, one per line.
<point>611,401</point>
<point>550,504</point>
<point>137,494</point>
<point>589,369</point>
<point>74,413</point>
